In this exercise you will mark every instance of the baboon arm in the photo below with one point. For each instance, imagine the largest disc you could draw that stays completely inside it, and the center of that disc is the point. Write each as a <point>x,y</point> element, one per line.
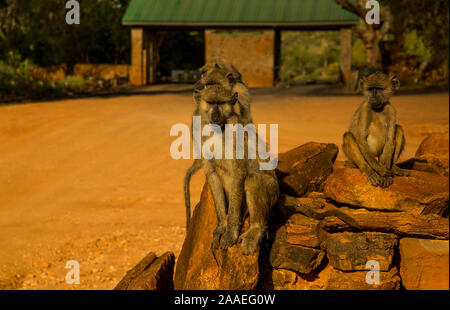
<point>216,187</point>
<point>389,147</point>
<point>361,138</point>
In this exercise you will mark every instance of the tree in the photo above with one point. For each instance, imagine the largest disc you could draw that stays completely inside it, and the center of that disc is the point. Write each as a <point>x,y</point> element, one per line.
<point>371,35</point>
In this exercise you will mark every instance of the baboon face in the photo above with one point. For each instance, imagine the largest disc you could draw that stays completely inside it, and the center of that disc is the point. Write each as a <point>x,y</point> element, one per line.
<point>213,92</point>
<point>216,104</point>
<point>378,88</point>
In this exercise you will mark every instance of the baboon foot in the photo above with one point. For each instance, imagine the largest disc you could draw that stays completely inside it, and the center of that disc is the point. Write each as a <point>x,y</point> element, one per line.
<point>218,232</point>
<point>229,238</point>
<point>251,240</point>
<point>376,180</point>
<point>387,181</point>
<point>400,172</point>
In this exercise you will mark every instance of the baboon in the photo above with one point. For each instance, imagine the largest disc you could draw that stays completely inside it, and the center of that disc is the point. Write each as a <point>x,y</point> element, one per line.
<point>222,98</point>
<point>237,185</point>
<point>375,140</point>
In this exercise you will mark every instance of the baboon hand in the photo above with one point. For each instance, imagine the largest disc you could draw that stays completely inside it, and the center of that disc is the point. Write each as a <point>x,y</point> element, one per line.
<point>383,171</point>
<point>400,172</point>
<point>218,232</point>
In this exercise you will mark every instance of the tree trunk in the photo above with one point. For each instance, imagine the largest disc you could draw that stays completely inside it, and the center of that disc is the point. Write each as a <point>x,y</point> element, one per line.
<point>371,38</point>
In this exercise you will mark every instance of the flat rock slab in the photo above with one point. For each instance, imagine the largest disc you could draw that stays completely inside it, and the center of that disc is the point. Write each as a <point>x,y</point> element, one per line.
<point>295,257</point>
<point>424,264</point>
<point>200,268</point>
<point>331,279</point>
<point>304,169</point>
<point>420,193</point>
<point>151,273</point>
<point>349,251</point>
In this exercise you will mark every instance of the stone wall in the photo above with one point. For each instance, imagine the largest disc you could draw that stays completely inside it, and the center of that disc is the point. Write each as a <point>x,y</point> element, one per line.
<point>82,71</point>
<point>251,51</point>
<point>371,239</point>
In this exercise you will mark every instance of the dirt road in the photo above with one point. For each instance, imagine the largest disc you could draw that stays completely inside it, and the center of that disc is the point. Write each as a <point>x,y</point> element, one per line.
<point>92,179</point>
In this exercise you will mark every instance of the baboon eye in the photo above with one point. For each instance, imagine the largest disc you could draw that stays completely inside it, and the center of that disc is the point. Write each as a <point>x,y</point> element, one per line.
<point>230,78</point>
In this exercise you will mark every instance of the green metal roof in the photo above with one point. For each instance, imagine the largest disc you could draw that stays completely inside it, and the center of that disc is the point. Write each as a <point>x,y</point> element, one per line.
<point>236,13</point>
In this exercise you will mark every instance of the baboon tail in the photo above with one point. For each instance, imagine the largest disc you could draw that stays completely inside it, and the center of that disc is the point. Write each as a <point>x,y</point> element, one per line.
<point>187,196</point>
<point>298,207</point>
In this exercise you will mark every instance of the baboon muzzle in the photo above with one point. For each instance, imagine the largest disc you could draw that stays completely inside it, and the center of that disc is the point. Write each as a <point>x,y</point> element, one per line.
<point>216,116</point>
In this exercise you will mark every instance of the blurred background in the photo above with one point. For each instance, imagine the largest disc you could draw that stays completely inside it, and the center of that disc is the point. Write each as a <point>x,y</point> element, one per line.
<point>41,56</point>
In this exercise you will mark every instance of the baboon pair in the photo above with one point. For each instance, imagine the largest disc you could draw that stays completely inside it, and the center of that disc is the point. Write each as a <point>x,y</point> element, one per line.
<point>239,186</point>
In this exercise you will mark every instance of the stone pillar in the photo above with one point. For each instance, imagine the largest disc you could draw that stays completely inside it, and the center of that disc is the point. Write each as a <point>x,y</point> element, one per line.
<point>137,72</point>
<point>346,55</point>
<point>250,51</point>
<point>144,49</point>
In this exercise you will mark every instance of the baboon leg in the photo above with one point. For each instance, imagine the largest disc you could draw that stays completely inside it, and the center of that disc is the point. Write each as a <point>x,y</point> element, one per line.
<point>234,221</point>
<point>353,153</point>
<point>261,192</point>
<point>218,194</point>
<point>399,146</point>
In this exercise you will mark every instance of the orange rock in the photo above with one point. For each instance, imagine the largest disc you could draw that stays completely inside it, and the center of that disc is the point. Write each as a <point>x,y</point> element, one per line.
<point>436,144</point>
<point>330,279</point>
<point>200,268</point>
<point>417,193</point>
<point>432,155</point>
<point>349,251</point>
<point>305,168</point>
<point>151,273</point>
<point>295,257</point>
<point>424,264</point>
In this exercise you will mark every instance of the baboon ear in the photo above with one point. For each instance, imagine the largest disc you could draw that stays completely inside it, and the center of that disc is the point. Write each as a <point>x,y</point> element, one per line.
<point>395,82</point>
<point>361,83</point>
<point>239,75</point>
<point>231,78</point>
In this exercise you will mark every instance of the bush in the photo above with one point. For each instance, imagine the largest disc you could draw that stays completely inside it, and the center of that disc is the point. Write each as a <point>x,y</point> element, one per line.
<point>17,84</point>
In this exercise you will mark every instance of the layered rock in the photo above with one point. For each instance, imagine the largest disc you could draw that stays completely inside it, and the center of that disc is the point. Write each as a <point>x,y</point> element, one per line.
<point>400,240</point>
<point>350,251</point>
<point>331,279</point>
<point>420,193</point>
<point>432,155</point>
<point>305,168</point>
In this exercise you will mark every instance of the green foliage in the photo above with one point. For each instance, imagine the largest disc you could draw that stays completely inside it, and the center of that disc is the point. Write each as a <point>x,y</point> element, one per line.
<point>415,46</point>
<point>309,56</point>
<point>16,83</point>
<point>42,35</point>
<point>358,53</point>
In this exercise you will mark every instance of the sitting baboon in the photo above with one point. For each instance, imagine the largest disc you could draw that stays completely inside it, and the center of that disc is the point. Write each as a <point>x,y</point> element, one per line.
<point>375,140</point>
<point>222,98</point>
